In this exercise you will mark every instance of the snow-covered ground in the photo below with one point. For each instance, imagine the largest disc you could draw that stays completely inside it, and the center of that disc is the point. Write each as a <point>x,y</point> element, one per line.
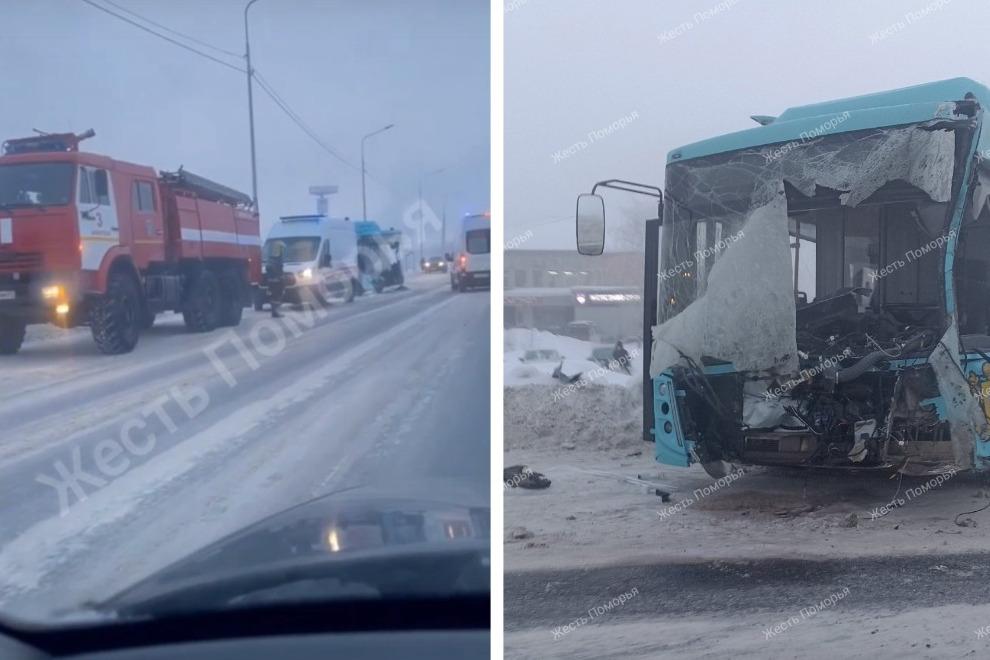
<point>602,510</point>
<point>599,511</point>
<point>951,631</point>
<point>112,467</point>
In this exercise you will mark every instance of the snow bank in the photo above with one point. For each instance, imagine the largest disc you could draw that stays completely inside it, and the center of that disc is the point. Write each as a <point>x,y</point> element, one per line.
<point>602,411</point>
<point>575,352</point>
<point>600,417</point>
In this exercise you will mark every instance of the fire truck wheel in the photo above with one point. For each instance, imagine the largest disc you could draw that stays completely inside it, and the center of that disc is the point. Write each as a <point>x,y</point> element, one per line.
<point>11,335</point>
<point>202,309</point>
<point>115,317</point>
<point>232,309</point>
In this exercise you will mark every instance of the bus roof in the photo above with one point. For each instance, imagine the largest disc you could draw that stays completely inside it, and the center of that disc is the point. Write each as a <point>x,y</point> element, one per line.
<point>897,107</point>
<point>476,220</point>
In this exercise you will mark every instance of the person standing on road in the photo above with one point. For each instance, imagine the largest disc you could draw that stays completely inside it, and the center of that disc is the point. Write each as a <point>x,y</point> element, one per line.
<point>621,355</point>
<point>275,277</point>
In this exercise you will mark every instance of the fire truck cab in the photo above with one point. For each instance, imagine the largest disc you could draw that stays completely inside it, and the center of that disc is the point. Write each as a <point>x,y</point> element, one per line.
<point>89,240</point>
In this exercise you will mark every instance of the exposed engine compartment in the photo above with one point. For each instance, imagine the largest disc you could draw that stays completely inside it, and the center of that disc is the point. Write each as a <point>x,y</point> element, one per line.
<point>842,410</point>
<point>864,394</point>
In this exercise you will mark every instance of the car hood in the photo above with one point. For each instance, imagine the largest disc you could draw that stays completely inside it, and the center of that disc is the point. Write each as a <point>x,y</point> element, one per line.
<point>356,526</point>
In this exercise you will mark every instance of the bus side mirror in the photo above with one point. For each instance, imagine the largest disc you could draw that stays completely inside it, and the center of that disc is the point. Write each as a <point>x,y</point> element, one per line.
<point>590,221</point>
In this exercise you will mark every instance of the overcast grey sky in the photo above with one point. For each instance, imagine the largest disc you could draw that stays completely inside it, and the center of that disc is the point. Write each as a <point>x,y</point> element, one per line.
<point>347,67</point>
<point>689,71</point>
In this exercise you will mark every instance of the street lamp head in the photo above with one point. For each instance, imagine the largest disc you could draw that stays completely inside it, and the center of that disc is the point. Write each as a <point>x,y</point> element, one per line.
<point>380,130</point>
<point>437,171</point>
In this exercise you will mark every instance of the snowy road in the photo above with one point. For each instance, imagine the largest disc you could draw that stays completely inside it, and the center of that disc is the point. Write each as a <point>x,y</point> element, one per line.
<point>877,608</point>
<point>720,589</point>
<point>112,467</point>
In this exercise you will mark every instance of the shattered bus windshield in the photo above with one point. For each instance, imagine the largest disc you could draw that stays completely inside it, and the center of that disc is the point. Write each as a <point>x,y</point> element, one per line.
<point>773,250</point>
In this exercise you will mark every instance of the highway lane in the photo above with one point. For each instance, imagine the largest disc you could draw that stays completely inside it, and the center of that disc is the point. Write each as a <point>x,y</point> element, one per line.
<point>113,467</point>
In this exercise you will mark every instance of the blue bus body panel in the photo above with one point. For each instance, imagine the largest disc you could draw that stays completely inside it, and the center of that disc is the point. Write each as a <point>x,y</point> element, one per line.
<point>672,448</point>
<point>367,228</point>
<point>892,108</point>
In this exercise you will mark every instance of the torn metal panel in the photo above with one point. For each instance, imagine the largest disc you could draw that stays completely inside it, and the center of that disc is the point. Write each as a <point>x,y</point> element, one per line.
<point>761,411</point>
<point>961,406</point>
<point>746,314</point>
<point>860,167</point>
<point>981,191</point>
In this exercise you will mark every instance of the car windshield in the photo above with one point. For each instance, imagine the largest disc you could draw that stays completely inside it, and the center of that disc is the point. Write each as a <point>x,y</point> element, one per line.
<point>479,241</point>
<point>295,249</point>
<point>36,184</point>
<point>187,425</point>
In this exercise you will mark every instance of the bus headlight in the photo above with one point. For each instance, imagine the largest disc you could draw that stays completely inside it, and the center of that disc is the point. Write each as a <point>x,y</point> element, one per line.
<point>306,274</point>
<point>51,292</point>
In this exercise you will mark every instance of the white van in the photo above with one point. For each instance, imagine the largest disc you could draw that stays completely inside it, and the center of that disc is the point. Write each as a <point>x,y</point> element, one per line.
<point>319,258</point>
<point>472,262</point>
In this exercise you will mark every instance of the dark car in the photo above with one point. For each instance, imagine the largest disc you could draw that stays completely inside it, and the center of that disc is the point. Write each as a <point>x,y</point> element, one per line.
<point>435,265</point>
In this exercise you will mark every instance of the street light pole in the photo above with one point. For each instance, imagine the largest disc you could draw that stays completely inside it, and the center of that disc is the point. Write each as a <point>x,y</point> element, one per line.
<point>250,75</point>
<point>420,232</point>
<point>364,197</point>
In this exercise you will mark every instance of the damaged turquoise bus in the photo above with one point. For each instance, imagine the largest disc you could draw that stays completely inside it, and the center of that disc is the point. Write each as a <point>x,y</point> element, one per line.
<point>818,288</point>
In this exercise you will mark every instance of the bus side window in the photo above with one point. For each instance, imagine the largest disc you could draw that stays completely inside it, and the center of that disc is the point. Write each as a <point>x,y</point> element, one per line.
<point>972,276</point>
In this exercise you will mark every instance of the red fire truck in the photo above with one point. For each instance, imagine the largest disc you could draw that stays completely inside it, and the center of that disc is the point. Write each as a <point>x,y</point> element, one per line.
<point>89,240</point>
